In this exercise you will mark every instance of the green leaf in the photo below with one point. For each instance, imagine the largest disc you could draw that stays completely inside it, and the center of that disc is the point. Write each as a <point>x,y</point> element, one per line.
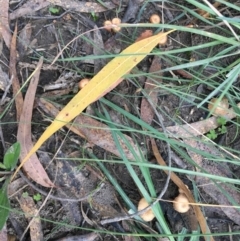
<point>11,157</point>
<point>54,10</point>
<point>212,134</point>
<point>37,197</point>
<point>222,129</point>
<point>25,194</point>
<point>4,204</point>
<point>2,166</point>
<point>221,121</point>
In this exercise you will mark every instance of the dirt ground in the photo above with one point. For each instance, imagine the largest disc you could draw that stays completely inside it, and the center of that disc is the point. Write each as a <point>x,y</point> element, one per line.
<point>46,34</point>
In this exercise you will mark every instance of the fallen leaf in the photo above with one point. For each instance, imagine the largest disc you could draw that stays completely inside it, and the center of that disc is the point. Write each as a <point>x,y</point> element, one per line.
<point>85,7</point>
<point>32,6</point>
<point>147,112</point>
<point>146,34</point>
<point>29,208</point>
<point>180,184</point>
<point>94,131</point>
<point>33,167</point>
<point>107,79</point>
<point>24,39</point>
<point>4,25</point>
<point>13,73</point>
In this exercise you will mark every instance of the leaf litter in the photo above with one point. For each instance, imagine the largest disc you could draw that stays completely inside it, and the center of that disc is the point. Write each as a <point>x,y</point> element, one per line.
<point>5,32</point>
<point>13,73</point>
<point>106,80</point>
<point>33,167</point>
<point>191,142</point>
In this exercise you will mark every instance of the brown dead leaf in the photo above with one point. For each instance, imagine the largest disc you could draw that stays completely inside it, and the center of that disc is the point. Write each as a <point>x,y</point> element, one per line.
<point>146,34</point>
<point>147,112</point>
<point>180,184</point>
<point>32,6</point>
<point>13,74</point>
<point>4,25</point>
<point>24,39</point>
<point>84,7</point>
<point>33,167</point>
<point>95,132</point>
<point>28,206</point>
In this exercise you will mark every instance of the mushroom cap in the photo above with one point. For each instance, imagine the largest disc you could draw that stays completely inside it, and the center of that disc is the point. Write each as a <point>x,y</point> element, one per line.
<point>155,19</point>
<point>83,82</point>
<point>181,203</point>
<point>220,108</point>
<point>116,21</point>
<point>163,40</point>
<point>107,25</point>
<point>148,215</point>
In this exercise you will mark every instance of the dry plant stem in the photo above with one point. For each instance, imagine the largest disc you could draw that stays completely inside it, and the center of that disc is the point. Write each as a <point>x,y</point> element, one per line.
<point>180,184</point>
<point>55,197</point>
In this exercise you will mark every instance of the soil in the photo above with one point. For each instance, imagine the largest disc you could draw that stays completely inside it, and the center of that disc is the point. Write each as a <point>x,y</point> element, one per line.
<point>76,179</point>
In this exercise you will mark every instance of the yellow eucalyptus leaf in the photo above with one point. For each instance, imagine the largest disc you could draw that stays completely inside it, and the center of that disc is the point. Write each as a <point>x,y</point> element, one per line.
<point>102,83</point>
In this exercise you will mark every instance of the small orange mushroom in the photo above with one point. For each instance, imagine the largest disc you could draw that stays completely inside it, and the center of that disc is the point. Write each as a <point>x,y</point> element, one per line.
<point>181,203</point>
<point>108,25</point>
<point>116,21</point>
<point>163,40</point>
<point>148,215</point>
<point>155,19</point>
<point>82,83</point>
